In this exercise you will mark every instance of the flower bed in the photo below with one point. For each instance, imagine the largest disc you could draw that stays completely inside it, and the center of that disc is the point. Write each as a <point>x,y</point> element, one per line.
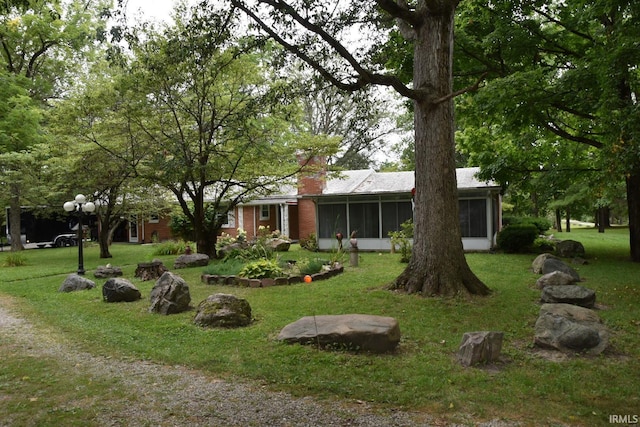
<point>213,279</point>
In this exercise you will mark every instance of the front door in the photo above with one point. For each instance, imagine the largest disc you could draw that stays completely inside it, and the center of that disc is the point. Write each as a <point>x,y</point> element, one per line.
<point>133,229</point>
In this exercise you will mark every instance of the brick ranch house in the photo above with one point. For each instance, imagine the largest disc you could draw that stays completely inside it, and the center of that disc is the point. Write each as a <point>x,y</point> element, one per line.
<point>372,203</point>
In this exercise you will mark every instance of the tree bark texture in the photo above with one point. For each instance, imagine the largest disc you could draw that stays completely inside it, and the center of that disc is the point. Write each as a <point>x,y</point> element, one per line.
<point>14,218</point>
<point>438,265</point>
<point>103,238</point>
<point>633,202</point>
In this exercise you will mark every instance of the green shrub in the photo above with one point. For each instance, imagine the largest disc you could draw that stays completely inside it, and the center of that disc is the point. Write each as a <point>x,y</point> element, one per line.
<point>309,266</point>
<point>400,240</point>
<point>262,269</point>
<point>229,267</point>
<point>310,243</point>
<point>517,237</point>
<point>15,260</point>
<point>541,224</point>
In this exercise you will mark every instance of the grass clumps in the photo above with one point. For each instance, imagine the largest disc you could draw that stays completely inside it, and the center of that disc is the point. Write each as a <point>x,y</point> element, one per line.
<point>170,247</point>
<point>15,260</point>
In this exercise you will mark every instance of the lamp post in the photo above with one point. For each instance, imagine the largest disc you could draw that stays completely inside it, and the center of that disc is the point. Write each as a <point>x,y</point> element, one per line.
<point>80,205</point>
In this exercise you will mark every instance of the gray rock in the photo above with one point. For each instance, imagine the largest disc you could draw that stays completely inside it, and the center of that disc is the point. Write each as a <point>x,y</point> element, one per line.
<point>375,334</point>
<point>279,245</point>
<point>555,278</point>
<point>223,310</point>
<point>537,264</point>
<point>551,265</point>
<point>120,290</point>
<point>569,294</point>
<point>569,249</point>
<point>75,282</point>
<point>107,271</point>
<point>170,295</point>
<point>480,347</point>
<point>570,329</point>
<point>191,260</point>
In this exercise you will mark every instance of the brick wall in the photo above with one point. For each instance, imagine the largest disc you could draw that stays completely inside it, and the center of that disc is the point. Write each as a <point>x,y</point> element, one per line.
<point>311,183</point>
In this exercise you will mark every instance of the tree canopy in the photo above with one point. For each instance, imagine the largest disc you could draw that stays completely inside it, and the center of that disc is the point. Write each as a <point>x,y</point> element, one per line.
<point>556,74</point>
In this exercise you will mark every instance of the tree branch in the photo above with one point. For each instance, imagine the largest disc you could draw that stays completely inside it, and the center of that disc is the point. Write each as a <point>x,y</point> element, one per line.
<point>474,87</point>
<point>363,77</point>
<point>400,10</point>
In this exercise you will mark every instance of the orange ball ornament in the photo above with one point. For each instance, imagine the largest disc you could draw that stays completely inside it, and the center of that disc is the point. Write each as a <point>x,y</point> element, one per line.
<point>307,279</point>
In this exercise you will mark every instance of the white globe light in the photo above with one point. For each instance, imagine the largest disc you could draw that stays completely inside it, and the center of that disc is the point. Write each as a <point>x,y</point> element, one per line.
<point>88,207</point>
<point>80,198</point>
<point>69,206</point>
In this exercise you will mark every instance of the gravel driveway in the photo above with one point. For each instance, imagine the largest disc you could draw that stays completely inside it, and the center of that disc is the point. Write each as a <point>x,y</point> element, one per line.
<point>178,396</point>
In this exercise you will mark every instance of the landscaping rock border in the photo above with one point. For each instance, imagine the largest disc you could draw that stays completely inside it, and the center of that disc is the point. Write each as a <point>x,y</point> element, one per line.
<point>214,279</point>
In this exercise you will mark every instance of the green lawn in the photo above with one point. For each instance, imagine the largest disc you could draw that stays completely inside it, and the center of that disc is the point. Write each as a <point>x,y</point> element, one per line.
<point>422,375</point>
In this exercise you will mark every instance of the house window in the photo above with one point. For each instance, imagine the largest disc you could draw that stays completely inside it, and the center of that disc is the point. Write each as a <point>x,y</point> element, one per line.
<point>265,212</point>
<point>154,218</point>
<point>365,219</point>
<point>393,215</point>
<point>473,217</point>
<point>332,218</point>
<point>229,220</point>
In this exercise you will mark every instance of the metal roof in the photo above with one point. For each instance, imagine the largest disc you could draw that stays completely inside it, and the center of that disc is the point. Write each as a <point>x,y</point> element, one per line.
<point>368,181</point>
<point>372,182</point>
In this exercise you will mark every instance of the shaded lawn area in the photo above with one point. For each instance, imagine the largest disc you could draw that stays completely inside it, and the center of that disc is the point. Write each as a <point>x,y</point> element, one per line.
<point>421,375</point>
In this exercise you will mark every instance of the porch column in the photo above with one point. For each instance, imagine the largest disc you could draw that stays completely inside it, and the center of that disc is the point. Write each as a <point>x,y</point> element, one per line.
<point>284,215</point>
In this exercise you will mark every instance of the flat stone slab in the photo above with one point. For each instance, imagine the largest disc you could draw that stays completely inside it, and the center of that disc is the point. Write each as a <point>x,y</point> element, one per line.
<point>363,332</point>
<point>569,294</point>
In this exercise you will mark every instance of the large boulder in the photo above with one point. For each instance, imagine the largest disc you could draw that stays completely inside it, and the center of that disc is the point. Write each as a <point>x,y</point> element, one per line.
<point>223,310</point>
<point>107,271</point>
<point>569,294</point>
<point>555,278</point>
<point>537,264</point>
<point>569,249</point>
<point>570,329</point>
<point>75,282</point>
<point>553,264</point>
<point>120,290</point>
<point>169,295</point>
<point>191,260</point>
<point>375,334</point>
<point>480,347</point>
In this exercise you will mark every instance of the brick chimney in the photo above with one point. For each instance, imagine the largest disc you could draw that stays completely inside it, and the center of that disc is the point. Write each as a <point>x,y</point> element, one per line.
<point>312,178</point>
<point>311,182</point>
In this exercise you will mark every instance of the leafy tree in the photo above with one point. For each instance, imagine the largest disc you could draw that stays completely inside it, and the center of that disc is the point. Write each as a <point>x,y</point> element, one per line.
<point>318,32</point>
<point>219,126</point>
<point>40,41</point>
<point>566,72</point>
<point>363,122</point>
<point>97,149</point>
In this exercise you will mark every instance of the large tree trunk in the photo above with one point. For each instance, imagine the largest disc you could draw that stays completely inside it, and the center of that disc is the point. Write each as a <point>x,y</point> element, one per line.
<point>633,203</point>
<point>438,265</point>
<point>205,241</point>
<point>14,218</point>
<point>104,237</point>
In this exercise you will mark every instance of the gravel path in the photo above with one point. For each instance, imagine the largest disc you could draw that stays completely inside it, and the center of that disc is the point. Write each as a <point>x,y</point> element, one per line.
<point>177,396</point>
